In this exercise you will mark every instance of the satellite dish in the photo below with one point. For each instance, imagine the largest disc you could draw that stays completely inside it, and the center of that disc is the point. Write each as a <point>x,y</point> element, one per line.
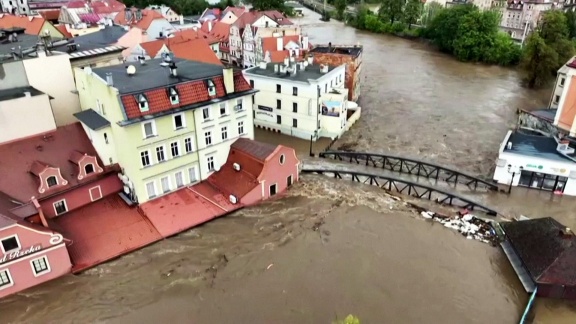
<point>126,190</point>
<point>131,70</point>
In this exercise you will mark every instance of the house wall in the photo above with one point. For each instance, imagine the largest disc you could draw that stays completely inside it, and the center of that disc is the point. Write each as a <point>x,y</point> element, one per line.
<point>559,86</point>
<point>220,147</point>
<point>54,32</point>
<point>65,102</point>
<point>157,26</point>
<point>567,106</point>
<point>40,244</point>
<point>82,31</point>
<point>24,117</point>
<point>138,51</point>
<point>229,19</point>
<point>353,70</point>
<point>333,126</point>
<point>235,44</point>
<point>98,61</point>
<point>13,75</point>
<point>80,196</point>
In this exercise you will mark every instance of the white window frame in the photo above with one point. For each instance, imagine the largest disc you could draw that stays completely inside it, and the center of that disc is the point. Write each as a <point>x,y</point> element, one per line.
<point>208,115</point>
<point>57,182</point>
<point>149,159</point>
<point>224,131</point>
<point>211,88</point>
<point>241,127</point>
<point>239,105</point>
<point>182,118</point>
<point>225,106</point>
<point>9,237</point>
<point>142,103</point>
<point>208,138</point>
<point>154,187</point>
<point>181,177</point>
<point>270,189</point>
<point>173,96</point>
<point>195,175</point>
<point>162,184</point>
<point>163,147</point>
<point>189,139</point>
<point>177,149</point>
<point>93,168</point>
<point>43,272</point>
<point>90,192</point>
<point>9,275</point>
<point>211,160</point>
<point>154,132</point>
<point>65,206</point>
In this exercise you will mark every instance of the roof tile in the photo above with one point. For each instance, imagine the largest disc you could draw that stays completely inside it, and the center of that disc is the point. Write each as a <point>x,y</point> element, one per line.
<point>33,25</point>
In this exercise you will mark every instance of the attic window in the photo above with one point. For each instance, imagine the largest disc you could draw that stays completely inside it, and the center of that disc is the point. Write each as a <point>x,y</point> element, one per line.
<point>142,102</point>
<point>211,88</point>
<point>89,168</point>
<point>174,98</point>
<point>52,181</point>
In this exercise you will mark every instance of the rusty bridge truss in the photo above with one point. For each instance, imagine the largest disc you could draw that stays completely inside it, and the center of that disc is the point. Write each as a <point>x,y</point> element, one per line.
<point>405,187</point>
<point>410,166</point>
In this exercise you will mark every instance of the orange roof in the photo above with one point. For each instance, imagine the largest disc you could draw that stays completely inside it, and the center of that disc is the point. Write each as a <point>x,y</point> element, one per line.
<point>147,17</point>
<point>152,48</point>
<point>191,34</point>
<point>237,11</point>
<point>269,44</point>
<point>219,30</point>
<point>62,29</point>
<point>33,25</point>
<point>195,50</point>
<point>50,14</point>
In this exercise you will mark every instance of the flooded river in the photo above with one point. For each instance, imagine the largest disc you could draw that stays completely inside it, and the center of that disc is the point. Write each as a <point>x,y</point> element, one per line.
<point>330,248</point>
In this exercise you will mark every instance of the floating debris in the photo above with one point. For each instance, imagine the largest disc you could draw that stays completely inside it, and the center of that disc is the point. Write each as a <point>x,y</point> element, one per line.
<point>470,226</point>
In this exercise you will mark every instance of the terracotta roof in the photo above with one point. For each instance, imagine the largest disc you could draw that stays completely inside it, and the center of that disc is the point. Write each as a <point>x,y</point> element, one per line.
<point>33,25</point>
<point>195,50</point>
<point>237,11</point>
<point>106,6</point>
<point>269,44</point>
<point>19,158</point>
<point>103,230</point>
<point>278,17</point>
<point>210,12</point>
<point>246,18</point>
<point>258,150</point>
<point>152,48</point>
<point>62,29</point>
<point>219,30</point>
<point>195,34</point>
<point>147,17</point>
<point>190,92</point>
<point>50,14</point>
<point>549,257</point>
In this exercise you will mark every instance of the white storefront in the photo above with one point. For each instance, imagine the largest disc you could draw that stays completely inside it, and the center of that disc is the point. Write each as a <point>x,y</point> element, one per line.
<point>538,166</point>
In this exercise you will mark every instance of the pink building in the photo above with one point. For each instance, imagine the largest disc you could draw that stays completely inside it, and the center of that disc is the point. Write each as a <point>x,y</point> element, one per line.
<point>29,255</point>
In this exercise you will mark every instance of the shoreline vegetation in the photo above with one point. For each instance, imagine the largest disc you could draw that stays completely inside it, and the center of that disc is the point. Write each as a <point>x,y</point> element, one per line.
<point>469,34</point>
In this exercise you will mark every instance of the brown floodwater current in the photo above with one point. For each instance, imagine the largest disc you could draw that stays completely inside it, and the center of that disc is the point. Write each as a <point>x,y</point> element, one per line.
<point>329,248</point>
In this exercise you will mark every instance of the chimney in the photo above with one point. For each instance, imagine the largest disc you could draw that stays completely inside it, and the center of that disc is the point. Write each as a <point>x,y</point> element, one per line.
<point>294,70</point>
<point>27,94</point>
<point>263,65</point>
<point>276,68</point>
<point>173,70</point>
<point>324,68</point>
<point>209,25</point>
<point>279,43</point>
<point>305,43</point>
<point>310,60</point>
<point>509,145</point>
<point>109,80</point>
<point>181,20</point>
<point>292,59</point>
<point>330,47</point>
<point>228,74</point>
<point>286,61</point>
<point>142,59</point>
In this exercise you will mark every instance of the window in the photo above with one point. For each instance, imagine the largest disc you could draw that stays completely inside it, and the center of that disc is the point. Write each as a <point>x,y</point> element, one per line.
<point>142,102</point>
<point>294,91</point>
<point>273,190</point>
<point>10,243</point>
<point>5,279</point>
<point>160,154</point>
<point>174,149</point>
<point>294,122</point>
<point>223,109</point>
<point>165,182</point>
<point>562,81</point>
<point>295,107</point>
<point>179,122</point>
<point>211,88</point>
<point>188,145</point>
<point>239,105</point>
<point>40,266</point>
<point>278,119</point>
<point>289,181</point>
<point>145,158</point>
<point>240,127</point>
<point>252,83</point>
<point>224,133</point>
<point>340,77</point>
<point>89,168</point>
<point>282,159</point>
<point>278,88</point>
<point>192,175</point>
<point>149,129</point>
<point>210,163</point>
<point>179,179</point>
<point>556,99</point>
<point>52,181</point>
<point>206,113</point>
<point>60,207</point>
<point>151,189</point>
<point>174,98</point>
<point>278,104</point>
<point>326,88</point>
<point>208,138</point>
<point>106,138</point>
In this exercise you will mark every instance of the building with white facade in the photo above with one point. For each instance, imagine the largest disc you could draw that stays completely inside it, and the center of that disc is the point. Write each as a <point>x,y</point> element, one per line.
<point>301,99</point>
<point>520,18</point>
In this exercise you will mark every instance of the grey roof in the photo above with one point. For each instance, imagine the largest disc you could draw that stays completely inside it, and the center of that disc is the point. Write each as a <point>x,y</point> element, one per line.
<point>24,41</point>
<point>92,119</point>
<point>258,150</point>
<point>312,72</point>
<point>95,52</point>
<point>535,145</point>
<point>14,93</point>
<point>102,38</point>
<point>346,50</point>
<point>152,75</point>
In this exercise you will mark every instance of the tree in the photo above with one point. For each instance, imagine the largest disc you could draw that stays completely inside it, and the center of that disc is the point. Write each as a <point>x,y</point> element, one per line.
<point>412,12</point>
<point>189,7</point>
<point>442,28</point>
<point>555,32</point>
<point>431,10</point>
<point>475,35</point>
<point>391,10</point>
<point>571,22</point>
<point>538,61</point>
<point>340,6</point>
<point>268,5</point>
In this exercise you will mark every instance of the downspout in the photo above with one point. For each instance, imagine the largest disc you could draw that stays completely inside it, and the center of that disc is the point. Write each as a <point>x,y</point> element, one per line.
<point>40,212</point>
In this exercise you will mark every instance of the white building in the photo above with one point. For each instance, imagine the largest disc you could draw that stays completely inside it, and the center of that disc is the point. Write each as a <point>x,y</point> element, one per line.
<point>166,12</point>
<point>535,161</point>
<point>300,99</point>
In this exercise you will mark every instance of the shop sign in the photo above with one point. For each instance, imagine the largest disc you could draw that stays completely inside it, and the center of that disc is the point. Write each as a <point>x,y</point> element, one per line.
<point>535,166</point>
<point>20,253</point>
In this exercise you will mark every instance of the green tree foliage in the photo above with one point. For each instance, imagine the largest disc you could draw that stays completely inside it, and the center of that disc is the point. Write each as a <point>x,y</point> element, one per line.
<point>350,319</point>
<point>340,6</point>
<point>391,10</point>
<point>268,5</point>
<point>431,10</point>
<point>571,22</point>
<point>412,12</point>
<point>441,30</point>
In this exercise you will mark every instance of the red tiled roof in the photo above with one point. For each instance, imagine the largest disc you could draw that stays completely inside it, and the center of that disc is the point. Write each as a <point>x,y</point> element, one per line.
<point>246,18</point>
<point>219,30</point>
<point>33,25</point>
<point>50,14</point>
<point>152,48</point>
<point>147,17</point>
<point>195,50</point>
<point>196,34</point>
<point>191,92</point>
<point>237,11</point>
<point>104,230</point>
<point>62,29</point>
<point>170,214</point>
<point>278,17</point>
<point>107,6</point>
<point>269,44</point>
<point>54,149</point>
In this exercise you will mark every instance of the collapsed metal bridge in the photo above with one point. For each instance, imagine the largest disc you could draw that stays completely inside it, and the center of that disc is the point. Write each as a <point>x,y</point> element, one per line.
<point>410,166</point>
<point>405,187</point>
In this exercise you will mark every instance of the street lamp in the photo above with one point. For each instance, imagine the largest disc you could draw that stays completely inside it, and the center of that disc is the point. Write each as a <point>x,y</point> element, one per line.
<point>513,171</point>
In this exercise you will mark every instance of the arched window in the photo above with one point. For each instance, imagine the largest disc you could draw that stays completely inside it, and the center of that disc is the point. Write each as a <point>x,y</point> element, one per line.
<point>89,168</point>
<point>52,181</point>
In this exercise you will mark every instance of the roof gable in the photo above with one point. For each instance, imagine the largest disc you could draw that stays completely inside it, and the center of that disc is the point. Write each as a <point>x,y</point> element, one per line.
<point>33,25</point>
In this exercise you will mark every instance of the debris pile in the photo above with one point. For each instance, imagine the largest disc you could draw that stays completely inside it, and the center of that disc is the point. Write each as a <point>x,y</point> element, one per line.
<point>470,226</point>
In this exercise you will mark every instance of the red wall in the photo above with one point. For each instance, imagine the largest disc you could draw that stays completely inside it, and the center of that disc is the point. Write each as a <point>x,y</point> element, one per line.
<point>80,196</point>
<point>20,269</point>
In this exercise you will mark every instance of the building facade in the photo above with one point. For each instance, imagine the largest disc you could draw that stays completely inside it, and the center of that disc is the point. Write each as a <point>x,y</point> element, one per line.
<point>299,99</point>
<point>563,99</point>
<point>520,18</point>
<point>168,124</point>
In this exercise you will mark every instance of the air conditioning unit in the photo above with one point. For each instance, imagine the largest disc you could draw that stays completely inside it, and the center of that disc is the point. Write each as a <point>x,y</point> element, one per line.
<point>236,166</point>
<point>233,199</point>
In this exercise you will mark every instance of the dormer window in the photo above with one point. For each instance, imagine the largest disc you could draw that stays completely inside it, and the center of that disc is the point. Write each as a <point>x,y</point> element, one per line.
<point>142,102</point>
<point>211,88</point>
<point>52,181</point>
<point>89,168</point>
<point>173,94</point>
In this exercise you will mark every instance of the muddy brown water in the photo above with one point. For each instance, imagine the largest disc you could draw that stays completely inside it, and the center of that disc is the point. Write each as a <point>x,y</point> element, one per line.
<point>370,255</point>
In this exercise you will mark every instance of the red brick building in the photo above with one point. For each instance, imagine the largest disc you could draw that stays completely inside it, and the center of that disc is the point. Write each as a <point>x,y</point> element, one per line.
<point>335,55</point>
